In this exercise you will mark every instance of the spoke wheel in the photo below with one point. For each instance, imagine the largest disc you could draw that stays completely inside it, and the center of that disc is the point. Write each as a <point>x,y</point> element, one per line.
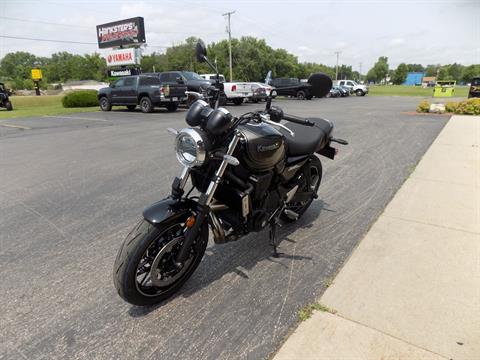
<point>144,271</point>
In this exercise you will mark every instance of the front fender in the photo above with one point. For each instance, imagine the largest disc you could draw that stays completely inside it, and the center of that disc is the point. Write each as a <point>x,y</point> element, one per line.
<point>168,209</point>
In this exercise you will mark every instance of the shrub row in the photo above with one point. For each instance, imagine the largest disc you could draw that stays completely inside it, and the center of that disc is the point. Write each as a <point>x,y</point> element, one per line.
<point>465,107</point>
<point>81,98</point>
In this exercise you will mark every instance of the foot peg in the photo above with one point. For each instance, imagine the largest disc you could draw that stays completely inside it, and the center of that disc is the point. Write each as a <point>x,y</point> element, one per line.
<point>291,214</point>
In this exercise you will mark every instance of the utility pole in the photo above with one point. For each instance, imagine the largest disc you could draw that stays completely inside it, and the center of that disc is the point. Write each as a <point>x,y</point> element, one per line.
<point>336,68</point>
<point>229,30</point>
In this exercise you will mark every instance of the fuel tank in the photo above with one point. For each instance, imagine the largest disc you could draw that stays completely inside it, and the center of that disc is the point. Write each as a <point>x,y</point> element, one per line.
<point>263,147</point>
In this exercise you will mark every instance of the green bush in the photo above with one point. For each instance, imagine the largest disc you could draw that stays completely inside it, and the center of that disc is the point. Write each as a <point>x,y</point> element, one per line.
<point>80,98</point>
<point>451,106</point>
<point>423,107</point>
<point>468,107</point>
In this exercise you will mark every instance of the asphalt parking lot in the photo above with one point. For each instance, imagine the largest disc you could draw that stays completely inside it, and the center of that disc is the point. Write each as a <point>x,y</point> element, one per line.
<point>72,186</point>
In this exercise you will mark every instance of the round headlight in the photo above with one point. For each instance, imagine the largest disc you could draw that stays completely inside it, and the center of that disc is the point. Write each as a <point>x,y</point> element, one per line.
<point>190,147</point>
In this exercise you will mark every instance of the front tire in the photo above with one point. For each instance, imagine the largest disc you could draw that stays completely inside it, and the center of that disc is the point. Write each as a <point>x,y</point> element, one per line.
<point>359,93</point>
<point>150,247</point>
<point>8,105</point>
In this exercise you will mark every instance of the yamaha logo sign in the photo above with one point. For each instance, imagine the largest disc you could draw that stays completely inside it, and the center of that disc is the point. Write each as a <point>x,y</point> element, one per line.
<point>122,57</point>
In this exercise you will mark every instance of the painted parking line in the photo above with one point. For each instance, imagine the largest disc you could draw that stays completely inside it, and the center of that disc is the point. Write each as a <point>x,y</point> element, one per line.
<point>16,126</point>
<point>75,118</point>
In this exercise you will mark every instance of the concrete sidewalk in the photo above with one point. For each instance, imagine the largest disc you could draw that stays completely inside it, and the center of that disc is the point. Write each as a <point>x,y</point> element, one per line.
<point>411,290</point>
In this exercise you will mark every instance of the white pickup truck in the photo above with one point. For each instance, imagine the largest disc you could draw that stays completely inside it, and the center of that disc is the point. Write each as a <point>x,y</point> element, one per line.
<point>358,89</point>
<point>235,92</point>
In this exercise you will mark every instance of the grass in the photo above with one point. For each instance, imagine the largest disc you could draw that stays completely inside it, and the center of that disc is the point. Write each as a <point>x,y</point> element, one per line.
<point>306,311</point>
<point>403,90</point>
<point>29,106</point>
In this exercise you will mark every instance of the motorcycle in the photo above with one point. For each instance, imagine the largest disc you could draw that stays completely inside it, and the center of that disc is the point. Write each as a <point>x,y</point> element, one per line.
<point>251,172</point>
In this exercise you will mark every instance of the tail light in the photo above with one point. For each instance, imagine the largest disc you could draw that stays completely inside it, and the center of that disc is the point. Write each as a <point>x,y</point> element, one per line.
<point>234,87</point>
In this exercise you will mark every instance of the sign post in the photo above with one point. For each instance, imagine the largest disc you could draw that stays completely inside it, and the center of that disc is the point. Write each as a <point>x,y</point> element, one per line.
<point>37,77</point>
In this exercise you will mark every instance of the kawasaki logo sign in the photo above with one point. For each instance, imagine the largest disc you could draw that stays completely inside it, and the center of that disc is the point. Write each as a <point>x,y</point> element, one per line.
<point>123,72</point>
<point>123,32</point>
<point>122,57</point>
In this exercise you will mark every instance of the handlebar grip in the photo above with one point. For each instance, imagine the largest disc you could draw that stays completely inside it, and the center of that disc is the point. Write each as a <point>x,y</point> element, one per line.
<point>298,120</point>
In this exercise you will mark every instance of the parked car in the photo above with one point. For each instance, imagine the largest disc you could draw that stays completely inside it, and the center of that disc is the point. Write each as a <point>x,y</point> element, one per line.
<point>260,91</point>
<point>235,91</point>
<point>145,90</point>
<point>358,89</point>
<point>5,98</point>
<point>192,80</point>
<point>334,92</point>
<point>292,87</point>
<point>474,91</point>
<point>344,91</point>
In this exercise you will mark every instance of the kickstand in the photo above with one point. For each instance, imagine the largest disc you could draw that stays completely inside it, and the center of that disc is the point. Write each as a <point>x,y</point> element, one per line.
<point>273,241</point>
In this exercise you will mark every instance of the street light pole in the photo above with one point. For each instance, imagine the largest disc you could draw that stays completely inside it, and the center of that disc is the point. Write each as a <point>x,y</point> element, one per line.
<point>229,30</point>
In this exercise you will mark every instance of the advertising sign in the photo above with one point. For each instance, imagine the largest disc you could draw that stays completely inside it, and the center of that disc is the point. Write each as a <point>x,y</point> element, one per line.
<point>123,32</point>
<point>122,57</point>
<point>123,72</point>
<point>36,74</point>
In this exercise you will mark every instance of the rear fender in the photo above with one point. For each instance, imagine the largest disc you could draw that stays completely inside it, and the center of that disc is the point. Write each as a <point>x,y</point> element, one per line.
<point>170,209</point>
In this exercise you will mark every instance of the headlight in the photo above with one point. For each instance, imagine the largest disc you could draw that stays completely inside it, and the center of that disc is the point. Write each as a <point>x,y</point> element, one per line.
<point>191,147</point>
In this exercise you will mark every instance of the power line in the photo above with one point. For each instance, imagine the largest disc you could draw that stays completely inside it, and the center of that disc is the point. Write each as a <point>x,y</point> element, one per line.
<point>42,22</point>
<point>48,40</point>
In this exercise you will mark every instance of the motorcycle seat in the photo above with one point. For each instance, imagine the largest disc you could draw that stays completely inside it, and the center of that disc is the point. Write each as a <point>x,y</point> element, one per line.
<point>307,139</point>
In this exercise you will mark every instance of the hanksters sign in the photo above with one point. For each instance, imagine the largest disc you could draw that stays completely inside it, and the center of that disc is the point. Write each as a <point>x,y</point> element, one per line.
<point>122,32</point>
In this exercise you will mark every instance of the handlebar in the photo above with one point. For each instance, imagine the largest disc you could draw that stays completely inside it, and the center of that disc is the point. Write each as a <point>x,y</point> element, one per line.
<point>298,120</point>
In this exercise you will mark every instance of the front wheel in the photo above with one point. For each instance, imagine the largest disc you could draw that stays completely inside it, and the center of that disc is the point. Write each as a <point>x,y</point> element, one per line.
<point>313,170</point>
<point>359,93</point>
<point>301,95</point>
<point>8,105</point>
<point>144,272</point>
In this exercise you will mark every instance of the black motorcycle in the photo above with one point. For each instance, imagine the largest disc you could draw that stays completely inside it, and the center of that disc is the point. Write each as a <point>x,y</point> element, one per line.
<point>250,172</point>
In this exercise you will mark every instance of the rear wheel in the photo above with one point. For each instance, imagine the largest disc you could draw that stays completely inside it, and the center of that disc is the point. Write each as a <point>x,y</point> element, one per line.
<point>300,95</point>
<point>172,106</point>
<point>105,104</point>
<point>144,272</point>
<point>8,105</point>
<point>131,107</point>
<point>146,104</point>
<point>312,169</point>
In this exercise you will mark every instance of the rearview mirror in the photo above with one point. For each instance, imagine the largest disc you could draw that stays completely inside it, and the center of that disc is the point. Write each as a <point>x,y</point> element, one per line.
<point>321,84</point>
<point>201,51</point>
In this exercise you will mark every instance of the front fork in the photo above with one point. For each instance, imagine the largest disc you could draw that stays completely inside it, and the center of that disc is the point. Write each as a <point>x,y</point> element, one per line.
<point>204,201</point>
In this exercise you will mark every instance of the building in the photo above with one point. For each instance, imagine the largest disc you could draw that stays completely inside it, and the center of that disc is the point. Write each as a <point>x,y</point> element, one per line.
<point>428,81</point>
<point>414,78</point>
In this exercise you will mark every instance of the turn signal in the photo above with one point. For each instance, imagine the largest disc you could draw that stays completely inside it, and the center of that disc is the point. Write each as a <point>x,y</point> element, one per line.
<point>190,221</point>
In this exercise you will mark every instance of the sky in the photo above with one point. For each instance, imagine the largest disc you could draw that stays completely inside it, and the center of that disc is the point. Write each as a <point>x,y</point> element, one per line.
<point>425,32</point>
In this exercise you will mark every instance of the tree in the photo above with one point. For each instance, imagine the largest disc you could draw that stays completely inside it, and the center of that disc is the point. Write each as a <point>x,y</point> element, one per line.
<point>379,71</point>
<point>400,74</point>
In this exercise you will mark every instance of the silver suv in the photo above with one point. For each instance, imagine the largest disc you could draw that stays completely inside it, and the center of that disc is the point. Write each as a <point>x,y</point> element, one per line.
<point>358,89</point>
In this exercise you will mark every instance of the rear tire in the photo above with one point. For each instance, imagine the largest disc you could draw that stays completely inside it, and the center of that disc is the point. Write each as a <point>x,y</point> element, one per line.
<point>313,167</point>
<point>146,104</point>
<point>300,95</point>
<point>172,106</point>
<point>238,101</point>
<point>144,243</point>
<point>8,105</point>
<point>105,104</point>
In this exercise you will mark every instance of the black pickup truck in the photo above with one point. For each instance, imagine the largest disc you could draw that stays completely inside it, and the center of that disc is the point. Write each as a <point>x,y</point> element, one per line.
<point>144,90</point>
<point>292,87</point>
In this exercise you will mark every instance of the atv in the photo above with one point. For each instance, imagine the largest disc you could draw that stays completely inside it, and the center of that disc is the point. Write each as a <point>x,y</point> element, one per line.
<point>4,98</point>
